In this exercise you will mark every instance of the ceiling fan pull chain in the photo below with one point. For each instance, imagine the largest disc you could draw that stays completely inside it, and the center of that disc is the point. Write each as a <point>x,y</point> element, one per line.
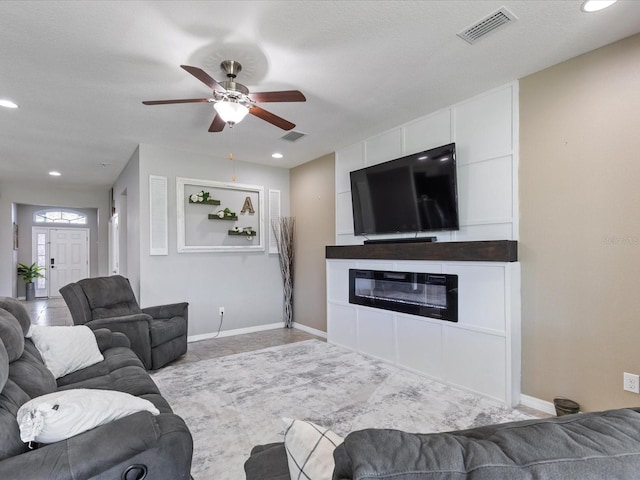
<point>233,164</point>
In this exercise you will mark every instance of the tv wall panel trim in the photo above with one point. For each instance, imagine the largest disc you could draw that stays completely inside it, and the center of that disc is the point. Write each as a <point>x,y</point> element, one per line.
<point>476,251</point>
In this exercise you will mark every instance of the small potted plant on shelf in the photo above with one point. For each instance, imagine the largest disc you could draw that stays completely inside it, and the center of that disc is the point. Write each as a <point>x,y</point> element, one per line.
<point>28,273</point>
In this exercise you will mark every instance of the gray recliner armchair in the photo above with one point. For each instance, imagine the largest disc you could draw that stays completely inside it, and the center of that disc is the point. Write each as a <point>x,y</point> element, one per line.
<point>158,335</point>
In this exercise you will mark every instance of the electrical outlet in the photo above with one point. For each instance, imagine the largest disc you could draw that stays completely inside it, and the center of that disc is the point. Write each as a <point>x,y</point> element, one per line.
<point>221,312</point>
<point>631,382</point>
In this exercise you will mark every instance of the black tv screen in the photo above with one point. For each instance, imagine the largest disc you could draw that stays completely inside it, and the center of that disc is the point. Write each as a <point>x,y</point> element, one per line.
<point>416,193</point>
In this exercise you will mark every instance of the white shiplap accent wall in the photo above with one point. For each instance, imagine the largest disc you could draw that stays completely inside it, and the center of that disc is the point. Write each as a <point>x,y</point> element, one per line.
<point>481,352</point>
<point>485,130</point>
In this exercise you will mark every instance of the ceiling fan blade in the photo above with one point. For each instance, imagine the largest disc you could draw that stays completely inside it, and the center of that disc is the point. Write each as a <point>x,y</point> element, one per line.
<point>281,96</point>
<point>204,77</point>
<point>218,124</point>
<point>183,100</point>
<point>271,118</point>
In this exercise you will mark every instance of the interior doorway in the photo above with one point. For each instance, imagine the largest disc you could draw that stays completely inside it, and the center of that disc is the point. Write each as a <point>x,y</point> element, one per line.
<point>64,254</point>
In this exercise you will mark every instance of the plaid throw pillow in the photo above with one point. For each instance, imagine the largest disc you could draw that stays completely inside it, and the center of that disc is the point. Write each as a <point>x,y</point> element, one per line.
<point>309,450</point>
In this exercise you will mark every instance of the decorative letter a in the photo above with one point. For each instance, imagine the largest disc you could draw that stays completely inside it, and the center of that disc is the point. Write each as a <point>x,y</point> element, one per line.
<point>248,206</point>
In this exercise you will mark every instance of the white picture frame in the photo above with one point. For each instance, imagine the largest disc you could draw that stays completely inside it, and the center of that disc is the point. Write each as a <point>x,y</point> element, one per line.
<point>201,229</point>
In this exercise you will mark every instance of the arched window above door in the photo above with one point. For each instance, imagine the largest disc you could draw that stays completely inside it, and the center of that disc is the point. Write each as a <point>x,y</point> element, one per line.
<point>60,216</point>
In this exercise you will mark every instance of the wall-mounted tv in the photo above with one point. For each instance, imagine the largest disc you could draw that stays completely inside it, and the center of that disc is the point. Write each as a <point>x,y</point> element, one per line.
<point>416,193</point>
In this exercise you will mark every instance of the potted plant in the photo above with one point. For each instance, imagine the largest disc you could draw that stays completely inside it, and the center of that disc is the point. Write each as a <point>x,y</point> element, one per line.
<point>28,273</point>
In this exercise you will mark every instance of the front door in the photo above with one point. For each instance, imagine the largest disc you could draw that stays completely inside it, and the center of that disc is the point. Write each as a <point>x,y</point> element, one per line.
<point>66,258</point>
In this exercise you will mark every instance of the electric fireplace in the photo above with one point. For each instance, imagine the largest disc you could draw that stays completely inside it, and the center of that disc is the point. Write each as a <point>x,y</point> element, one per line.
<point>431,295</point>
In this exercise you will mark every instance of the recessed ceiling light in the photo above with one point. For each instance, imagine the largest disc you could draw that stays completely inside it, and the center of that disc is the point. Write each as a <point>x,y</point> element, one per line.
<point>276,155</point>
<point>53,173</point>
<point>8,103</point>
<point>596,5</point>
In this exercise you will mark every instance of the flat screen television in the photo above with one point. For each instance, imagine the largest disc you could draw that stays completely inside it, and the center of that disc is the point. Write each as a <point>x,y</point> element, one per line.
<point>416,193</point>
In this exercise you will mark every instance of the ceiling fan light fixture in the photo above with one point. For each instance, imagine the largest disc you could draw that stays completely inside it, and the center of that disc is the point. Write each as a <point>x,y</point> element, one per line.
<point>231,112</point>
<point>589,6</point>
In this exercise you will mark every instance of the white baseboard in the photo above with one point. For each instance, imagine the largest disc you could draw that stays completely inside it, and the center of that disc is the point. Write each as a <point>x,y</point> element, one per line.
<point>237,331</point>
<point>533,402</point>
<point>259,328</point>
<point>312,331</point>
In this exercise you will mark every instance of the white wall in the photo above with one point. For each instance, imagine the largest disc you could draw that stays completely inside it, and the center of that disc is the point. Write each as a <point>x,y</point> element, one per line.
<point>485,130</point>
<point>247,284</point>
<point>28,194</point>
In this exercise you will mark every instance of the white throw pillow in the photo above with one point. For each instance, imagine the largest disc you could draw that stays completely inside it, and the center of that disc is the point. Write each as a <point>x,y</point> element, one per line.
<point>65,349</point>
<point>309,450</point>
<point>60,415</point>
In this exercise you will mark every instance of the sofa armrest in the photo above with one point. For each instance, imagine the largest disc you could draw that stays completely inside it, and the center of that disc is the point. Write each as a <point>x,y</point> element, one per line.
<point>168,311</point>
<point>107,339</point>
<point>588,446</point>
<point>122,320</point>
<point>268,462</point>
<point>135,327</point>
<point>162,443</point>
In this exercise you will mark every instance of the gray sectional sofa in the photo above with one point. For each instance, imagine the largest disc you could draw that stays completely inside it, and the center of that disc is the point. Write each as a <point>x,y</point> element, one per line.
<point>160,445</point>
<point>589,446</point>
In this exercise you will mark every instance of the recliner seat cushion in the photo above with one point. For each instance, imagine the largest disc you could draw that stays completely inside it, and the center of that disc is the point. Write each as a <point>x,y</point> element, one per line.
<point>164,330</point>
<point>110,296</point>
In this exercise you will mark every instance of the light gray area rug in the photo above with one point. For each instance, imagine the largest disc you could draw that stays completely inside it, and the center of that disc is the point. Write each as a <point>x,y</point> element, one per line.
<point>233,403</point>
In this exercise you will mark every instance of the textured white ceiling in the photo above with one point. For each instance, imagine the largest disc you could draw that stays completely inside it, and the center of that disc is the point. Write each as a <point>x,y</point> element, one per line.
<point>80,70</point>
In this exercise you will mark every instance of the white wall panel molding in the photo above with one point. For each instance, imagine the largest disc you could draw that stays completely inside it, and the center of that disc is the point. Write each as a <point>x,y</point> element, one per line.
<point>158,216</point>
<point>485,129</point>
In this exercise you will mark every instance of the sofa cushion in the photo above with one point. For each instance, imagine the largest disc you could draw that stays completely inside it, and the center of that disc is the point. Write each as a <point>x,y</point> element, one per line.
<point>61,415</point>
<point>164,330</point>
<point>110,296</point>
<point>11,399</point>
<point>11,335</point>
<point>30,374</point>
<point>66,349</point>
<point>15,308</point>
<point>121,370</point>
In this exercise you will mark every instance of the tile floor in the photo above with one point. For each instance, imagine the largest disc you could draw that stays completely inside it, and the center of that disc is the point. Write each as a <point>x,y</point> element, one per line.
<point>54,312</point>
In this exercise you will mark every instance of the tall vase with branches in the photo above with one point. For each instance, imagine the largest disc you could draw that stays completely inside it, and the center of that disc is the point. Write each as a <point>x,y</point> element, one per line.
<point>284,231</point>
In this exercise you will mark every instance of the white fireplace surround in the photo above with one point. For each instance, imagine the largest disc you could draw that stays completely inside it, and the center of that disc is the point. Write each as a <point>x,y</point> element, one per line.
<point>479,353</point>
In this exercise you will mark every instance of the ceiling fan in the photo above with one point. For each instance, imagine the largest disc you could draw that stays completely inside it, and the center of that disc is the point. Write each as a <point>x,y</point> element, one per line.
<point>233,101</point>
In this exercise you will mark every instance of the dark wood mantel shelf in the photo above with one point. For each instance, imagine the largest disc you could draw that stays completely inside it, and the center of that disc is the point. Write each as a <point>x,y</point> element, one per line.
<point>482,251</point>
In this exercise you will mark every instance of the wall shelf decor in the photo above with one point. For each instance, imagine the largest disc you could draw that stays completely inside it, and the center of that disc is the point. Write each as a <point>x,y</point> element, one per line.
<point>195,231</point>
<point>246,233</point>
<point>206,202</point>
<point>204,198</point>
<point>213,216</point>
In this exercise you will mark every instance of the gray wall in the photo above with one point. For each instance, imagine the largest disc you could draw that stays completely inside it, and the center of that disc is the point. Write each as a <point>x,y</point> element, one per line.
<point>247,284</point>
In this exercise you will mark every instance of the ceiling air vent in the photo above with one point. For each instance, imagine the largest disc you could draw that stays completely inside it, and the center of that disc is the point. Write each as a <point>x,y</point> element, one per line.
<point>488,24</point>
<point>292,136</point>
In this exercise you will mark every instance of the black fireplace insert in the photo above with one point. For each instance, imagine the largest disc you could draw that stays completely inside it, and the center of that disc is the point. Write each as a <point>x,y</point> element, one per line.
<point>432,295</point>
